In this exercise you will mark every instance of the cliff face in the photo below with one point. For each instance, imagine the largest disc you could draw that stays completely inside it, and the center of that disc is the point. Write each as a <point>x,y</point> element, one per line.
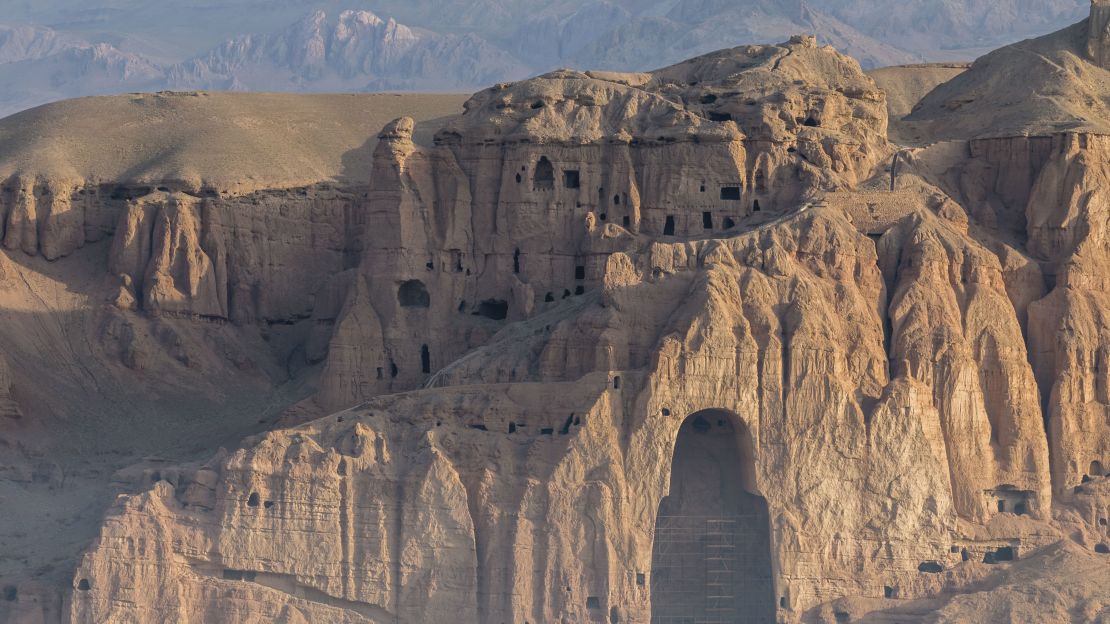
<point>620,347</point>
<point>528,192</point>
<point>257,257</point>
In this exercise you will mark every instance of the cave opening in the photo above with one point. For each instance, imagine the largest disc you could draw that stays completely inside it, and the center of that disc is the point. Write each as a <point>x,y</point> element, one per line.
<point>572,179</point>
<point>711,552</point>
<point>544,177</point>
<point>730,192</point>
<point>668,226</point>
<point>413,294</point>
<point>493,309</point>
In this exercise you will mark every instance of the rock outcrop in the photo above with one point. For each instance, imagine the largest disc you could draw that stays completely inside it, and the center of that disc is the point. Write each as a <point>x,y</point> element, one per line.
<point>528,192</point>
<point>623,347</point>
<point>1098,34</point>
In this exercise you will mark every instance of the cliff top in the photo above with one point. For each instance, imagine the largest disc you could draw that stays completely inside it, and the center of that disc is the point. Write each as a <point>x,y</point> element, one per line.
<point>764,92</point>
<point>230,141</point>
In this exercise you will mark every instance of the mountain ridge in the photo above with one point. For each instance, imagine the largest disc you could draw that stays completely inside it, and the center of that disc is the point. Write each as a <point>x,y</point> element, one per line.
<point>463,46</point>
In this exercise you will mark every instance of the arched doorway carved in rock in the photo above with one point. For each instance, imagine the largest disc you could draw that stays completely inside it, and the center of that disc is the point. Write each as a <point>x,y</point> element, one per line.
<point>711,552</point>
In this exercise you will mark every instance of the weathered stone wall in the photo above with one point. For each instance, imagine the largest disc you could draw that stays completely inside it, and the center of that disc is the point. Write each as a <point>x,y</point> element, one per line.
<point>497,221</point>
<point>253,258</point>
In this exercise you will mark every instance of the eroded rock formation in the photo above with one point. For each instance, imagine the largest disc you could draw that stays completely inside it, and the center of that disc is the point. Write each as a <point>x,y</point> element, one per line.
<point>608,331</point>
<point>528,192</point>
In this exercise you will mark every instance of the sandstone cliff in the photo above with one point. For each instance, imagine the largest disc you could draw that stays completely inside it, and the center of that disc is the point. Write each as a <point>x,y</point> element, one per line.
<point>601,333</point>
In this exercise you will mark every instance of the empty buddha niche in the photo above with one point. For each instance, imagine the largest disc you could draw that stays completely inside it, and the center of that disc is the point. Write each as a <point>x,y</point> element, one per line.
<point>711,556</point>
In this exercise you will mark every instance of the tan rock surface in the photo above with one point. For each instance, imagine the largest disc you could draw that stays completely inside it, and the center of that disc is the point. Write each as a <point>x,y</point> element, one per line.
<point>603,331</point>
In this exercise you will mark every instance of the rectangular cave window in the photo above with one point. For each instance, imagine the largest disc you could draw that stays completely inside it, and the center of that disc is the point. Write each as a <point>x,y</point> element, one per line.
<point>579,272</point>
<point>571,179</point>
<point>626,221</point>
<point>707,220</point>
<point>425,359</point>
<point>592,602</point>
<point>617,382</point>
<point>730,193</point>
<point>516,261</point>
<point>755,206</point>
<point>668,227</point>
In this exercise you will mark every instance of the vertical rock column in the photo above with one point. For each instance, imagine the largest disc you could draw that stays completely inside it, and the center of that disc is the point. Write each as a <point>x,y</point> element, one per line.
<point>1098,33</point>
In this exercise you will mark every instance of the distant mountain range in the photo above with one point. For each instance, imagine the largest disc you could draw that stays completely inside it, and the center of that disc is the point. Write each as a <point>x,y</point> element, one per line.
<point>63,48</point>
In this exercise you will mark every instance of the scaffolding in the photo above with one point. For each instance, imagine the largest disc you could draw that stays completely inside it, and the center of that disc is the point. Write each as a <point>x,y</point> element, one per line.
<point>708,570</point>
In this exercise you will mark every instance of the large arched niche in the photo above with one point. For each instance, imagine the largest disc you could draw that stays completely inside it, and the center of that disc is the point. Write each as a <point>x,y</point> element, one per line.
<point>711,551</point>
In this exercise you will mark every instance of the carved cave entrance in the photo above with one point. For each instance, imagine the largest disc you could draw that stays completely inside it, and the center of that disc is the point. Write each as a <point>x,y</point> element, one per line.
<point>711,554</point>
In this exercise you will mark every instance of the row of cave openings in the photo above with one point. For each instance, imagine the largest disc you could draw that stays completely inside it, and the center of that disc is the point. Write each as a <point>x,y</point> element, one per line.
<point>574,420</point>
<point>543,179</point>
<point>414,294</point>
<point>394,371</point>
<point>809,121</point>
